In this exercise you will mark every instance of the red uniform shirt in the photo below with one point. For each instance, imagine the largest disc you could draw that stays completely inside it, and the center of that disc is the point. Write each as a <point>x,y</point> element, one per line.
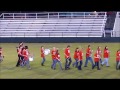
<point>88,52</point>
<point>99,52</point>
<point>26,54</point>
<point>96,57</point>
<point>81,55</point>
<point>67,53</point>
<point>42,53</point>
<point>19,51</point>
<point>117,56</point>
<point>0,52</point>
<point>57,57</point>
<point>53,52</point>
<point>75,55</point>
<point>22,52</point>
<point>106,54</point>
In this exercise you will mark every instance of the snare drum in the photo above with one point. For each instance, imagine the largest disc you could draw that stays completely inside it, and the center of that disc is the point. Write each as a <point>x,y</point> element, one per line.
<point>47,51</point>
<point>31,59</point>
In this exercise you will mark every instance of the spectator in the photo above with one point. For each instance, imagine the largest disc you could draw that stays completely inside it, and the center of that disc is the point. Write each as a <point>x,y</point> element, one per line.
<point>95,13</point>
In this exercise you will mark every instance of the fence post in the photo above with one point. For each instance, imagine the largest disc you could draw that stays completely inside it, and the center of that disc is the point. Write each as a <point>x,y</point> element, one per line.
<point>104,33</point>
<point>36,15</point>
<point>48,15</point>
<point>13,15</point>
<point>25,15</point>
<point>3,15</point>
<point>84,14</point>
<point>71,14</point>
<point>58,15</point>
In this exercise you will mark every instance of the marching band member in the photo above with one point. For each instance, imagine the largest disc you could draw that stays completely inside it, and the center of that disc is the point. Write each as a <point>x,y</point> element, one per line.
<point>42,55</point>
<point>89,57</point>
<point>67,58</point>
<point>53,53</point>
<point>76,54</point>
<point>57,60</point>
<point>118,60</point>
<point>1,55</point>
<point>97,59</point>
<point>106,56</point>
<point>80,60</point>
<point>26,55</point>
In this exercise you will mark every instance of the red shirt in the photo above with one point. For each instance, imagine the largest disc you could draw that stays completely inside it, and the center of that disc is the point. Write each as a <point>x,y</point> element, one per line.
<point>0,52</point>
<point>42,53</point>
<point>106,54</point>
<point>26,54</point>
<point>81,55</point>
<point>19,51</point>
<point>67,53</point>
<point>53,52</point>
<point>22,52</point>
<point>99,52</point>
<point>96,57</point>
<point>75,55</point>
<point>88,52</point>
<point>117,56</point>
<point>57,57</point>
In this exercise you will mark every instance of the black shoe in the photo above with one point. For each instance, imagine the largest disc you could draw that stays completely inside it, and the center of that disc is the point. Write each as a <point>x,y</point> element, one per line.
<point>42,65</point>
<point>54,68</point>
<point>85,66</point>
<point>98,69</point>
<point>68,67</point>
<point>79,69</point>
<point>93,67</point>
<point>62,69</point>
<point>65,68</point>
<point>107,66</point>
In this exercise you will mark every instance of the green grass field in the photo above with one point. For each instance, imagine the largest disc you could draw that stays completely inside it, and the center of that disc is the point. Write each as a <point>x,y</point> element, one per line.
<point>8,70</point>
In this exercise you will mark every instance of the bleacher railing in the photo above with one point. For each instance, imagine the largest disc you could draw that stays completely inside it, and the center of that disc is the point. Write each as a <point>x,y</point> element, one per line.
<point>53,15</point>
<point>62,34</point>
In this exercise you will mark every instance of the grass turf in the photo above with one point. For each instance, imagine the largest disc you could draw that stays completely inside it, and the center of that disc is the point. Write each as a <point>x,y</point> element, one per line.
<point>8,69</point>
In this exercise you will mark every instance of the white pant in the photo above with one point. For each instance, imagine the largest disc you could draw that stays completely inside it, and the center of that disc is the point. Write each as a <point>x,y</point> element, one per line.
<point>105,61</point>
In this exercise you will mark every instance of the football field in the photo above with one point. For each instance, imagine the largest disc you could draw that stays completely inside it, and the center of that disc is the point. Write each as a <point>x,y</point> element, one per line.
<point>8,69</point>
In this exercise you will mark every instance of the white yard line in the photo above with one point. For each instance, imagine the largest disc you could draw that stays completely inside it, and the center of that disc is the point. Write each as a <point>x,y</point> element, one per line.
<point>6,69</point>
<point>55,75</point>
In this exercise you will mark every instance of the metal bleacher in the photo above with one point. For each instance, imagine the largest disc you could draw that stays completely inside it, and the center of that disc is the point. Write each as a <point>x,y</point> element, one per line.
<point>52,24</point>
